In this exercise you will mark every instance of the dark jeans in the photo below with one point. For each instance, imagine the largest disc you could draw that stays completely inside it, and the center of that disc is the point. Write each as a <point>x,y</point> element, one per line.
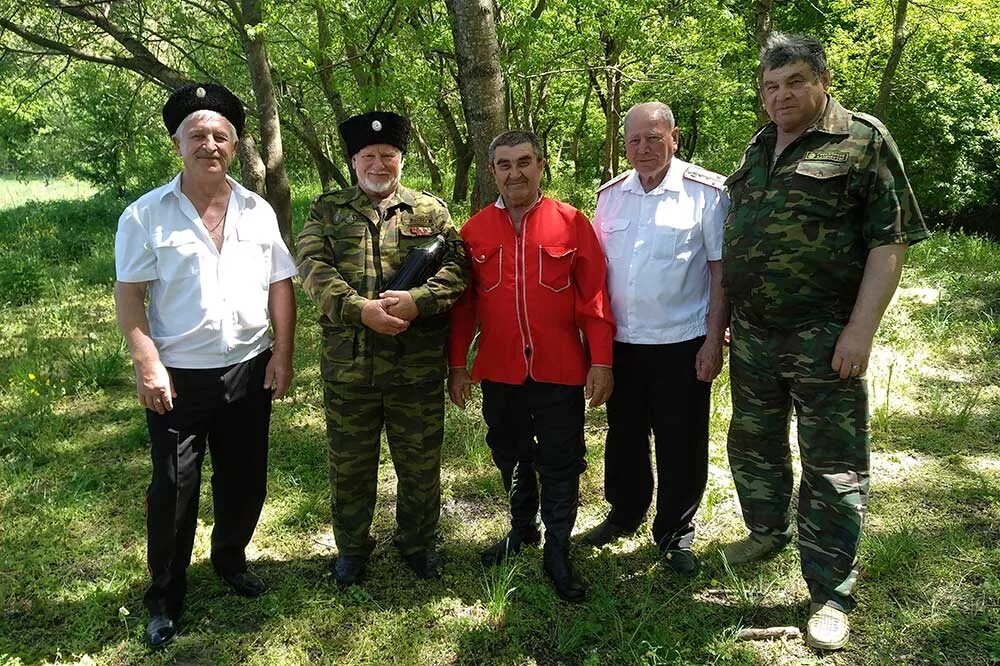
<point>227,410</point>
<point>656,391</point>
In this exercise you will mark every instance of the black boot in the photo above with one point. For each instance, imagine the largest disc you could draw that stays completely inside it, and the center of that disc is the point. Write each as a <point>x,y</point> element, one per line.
<point>522,489</point>
<point>559,503</point>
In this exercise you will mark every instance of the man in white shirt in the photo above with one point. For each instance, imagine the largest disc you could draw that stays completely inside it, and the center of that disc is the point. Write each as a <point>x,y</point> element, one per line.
<point>660,225</point>
<point>210,256</point>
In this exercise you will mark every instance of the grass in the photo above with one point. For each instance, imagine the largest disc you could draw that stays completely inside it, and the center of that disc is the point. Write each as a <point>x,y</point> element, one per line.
<point>74,466</point>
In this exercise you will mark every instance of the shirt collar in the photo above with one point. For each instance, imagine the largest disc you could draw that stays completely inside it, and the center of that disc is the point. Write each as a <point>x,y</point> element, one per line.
<point>499,202</point>
<point>672,180</point>
<point>244,197</point>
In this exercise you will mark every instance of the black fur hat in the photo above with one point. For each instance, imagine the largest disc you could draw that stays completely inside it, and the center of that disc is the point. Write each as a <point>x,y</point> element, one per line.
<point>375,127</point>
<point>208,96</point>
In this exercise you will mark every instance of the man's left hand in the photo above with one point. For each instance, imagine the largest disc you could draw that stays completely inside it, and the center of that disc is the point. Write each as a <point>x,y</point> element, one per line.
<point>600,382</point>
<point>708,361</point>
<point>278,374</point>
<point>405,308</point>
<point>850,356</point>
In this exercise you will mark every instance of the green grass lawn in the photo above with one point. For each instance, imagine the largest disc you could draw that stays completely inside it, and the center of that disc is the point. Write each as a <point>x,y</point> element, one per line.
<point>74,467</point>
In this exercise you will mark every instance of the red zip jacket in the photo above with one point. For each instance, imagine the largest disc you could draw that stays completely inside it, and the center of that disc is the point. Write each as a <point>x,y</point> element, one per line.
<point>531,295</point>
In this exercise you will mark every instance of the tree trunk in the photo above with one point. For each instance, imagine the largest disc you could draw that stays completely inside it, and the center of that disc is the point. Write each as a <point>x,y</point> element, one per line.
<point>762,12</point>
<point>578,132</point>
<point>251,165</point>
<point>278,193</point>
<point>480,81</point>
<point>460,148</point>
<point>425,152</point>
<point>899,39</point>
<point>329,175</point>
<point>612,107</point>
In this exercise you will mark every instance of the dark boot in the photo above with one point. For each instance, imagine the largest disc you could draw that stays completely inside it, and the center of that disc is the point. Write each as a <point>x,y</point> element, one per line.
<point>522,489</point>
<point>560,499</point>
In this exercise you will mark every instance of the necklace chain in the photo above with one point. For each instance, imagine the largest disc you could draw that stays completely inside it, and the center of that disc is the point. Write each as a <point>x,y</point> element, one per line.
<point>218,224</point>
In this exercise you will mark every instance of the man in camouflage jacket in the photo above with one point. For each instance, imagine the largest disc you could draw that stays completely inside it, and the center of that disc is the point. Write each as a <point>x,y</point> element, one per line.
<point>821,214</point>
<point>383,351</point>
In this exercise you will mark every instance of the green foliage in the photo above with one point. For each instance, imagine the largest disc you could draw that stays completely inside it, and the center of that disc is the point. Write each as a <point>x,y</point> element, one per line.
<point>23,278</point>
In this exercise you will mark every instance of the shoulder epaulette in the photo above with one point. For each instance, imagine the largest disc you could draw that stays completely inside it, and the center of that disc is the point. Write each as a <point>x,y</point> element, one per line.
<point>879,127</point>
<point>617,179</point>
<point>340,197</point>
<point>704,176</point>
<point>435,197</point>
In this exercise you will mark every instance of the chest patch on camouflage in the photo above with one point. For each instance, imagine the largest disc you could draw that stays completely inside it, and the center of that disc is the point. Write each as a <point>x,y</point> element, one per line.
<point>420,231</point>
<point>826,155</point>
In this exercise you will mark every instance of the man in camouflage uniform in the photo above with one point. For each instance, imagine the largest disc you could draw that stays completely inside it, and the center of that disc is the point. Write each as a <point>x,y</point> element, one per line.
<point>820,219</point>
<point>383,351</point>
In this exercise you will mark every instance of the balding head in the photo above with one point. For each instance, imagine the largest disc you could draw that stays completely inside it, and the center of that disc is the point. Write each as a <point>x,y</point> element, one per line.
<point>651,111</point>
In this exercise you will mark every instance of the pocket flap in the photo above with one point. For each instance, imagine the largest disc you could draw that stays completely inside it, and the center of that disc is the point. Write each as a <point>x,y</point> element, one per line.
<point>822,169</point>
<point>175,238</point>
<point>483,254</point>
<point>557,251</point>
<point>615,224</point>
<point>345,230</point>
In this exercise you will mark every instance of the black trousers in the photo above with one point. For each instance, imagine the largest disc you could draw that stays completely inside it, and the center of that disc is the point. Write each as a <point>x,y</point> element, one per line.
<point>536,427</point>
<point>226,410</point>
<point>656,391</point>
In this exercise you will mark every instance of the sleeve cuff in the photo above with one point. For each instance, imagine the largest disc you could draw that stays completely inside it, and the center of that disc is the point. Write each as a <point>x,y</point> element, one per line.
<point>424,300</point>
<point>351,311</point>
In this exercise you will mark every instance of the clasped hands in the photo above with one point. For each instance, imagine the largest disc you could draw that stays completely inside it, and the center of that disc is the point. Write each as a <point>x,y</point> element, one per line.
<point>390,313</point>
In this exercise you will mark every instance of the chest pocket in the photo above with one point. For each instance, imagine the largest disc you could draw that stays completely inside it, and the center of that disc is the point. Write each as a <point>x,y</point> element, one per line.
<point>487,262</point>
<point>816,189</point>
<point>350,250</point>
<point>178,255</point>
<point>253,248</point>
<point>614,233</point>
<point>555,265</point>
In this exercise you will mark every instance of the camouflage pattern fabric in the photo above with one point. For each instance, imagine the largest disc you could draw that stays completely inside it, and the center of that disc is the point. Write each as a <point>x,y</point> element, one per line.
<point>413,416</point>
<point>772,371</point>
<point>347,250</point>
<point>797,234</point>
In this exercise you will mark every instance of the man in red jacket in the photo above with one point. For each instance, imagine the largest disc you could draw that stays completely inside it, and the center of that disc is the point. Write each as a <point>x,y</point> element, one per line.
<point>539,281</point>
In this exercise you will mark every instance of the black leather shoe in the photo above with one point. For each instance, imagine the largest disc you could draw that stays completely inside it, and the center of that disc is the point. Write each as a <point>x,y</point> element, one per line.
<point>682,561</point>
<point>557,567</point>
<point>246,584</point>
<point>605,532</point>
<point>349,569</point>
<point>509,545</point>
<point>160,631</point>
<point>426,564</point>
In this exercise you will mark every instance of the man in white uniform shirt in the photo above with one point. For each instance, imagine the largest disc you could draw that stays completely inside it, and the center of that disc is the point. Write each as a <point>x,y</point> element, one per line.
<point>660,225</point>
<point>210,256</point>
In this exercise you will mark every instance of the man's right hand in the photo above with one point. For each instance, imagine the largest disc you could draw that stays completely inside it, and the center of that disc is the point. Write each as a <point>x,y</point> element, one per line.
<point>375,317</point>
<point>154,386</point>
<point>459,386</point>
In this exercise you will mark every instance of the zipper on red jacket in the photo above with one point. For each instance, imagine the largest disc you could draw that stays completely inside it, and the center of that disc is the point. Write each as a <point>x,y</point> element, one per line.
<point>520,286</point>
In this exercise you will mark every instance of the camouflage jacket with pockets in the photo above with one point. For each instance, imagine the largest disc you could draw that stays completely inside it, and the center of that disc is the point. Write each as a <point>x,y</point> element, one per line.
<point>347,250</point>
<point>798,230</point>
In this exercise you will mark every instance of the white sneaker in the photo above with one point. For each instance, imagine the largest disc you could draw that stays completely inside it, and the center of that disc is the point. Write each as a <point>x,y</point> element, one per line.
<point>828,628</point>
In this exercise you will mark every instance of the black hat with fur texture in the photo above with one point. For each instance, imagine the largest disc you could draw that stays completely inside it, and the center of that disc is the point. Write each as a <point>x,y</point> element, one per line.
<point>375,127</point>
<point>203,96</point>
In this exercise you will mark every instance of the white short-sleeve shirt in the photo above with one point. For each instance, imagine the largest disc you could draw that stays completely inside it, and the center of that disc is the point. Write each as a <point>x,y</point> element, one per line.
<point>658,245</point>
<point>207,309</point>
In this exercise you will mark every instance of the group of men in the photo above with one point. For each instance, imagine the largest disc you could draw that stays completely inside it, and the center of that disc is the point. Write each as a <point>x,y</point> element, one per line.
<point>797,253</point>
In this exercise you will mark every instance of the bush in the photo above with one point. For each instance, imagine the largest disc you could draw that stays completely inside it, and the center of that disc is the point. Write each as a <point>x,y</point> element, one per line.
<point>23,278</point>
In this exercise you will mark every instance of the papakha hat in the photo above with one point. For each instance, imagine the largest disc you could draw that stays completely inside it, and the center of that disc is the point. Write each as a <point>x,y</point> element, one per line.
<point>203,96</point>
<point>374,127</point>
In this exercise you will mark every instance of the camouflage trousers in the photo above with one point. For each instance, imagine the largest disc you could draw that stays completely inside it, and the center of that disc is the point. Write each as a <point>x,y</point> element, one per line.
<point>413,416</point>
<point>773,371</point>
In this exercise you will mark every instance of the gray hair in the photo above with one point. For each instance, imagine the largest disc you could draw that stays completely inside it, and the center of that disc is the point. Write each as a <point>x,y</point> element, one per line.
<point>515,138</point>
<point>204,114</point>
<point>655,111</point>
<point>784,49</point>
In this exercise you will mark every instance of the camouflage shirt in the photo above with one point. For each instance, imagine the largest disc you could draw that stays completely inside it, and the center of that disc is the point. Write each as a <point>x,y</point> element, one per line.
<point>347,250</point>
<point>798,230</point>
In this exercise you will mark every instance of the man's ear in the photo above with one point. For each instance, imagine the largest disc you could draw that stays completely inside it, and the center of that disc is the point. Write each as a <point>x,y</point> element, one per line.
<point>825,79</point>
<point>177,144</point>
